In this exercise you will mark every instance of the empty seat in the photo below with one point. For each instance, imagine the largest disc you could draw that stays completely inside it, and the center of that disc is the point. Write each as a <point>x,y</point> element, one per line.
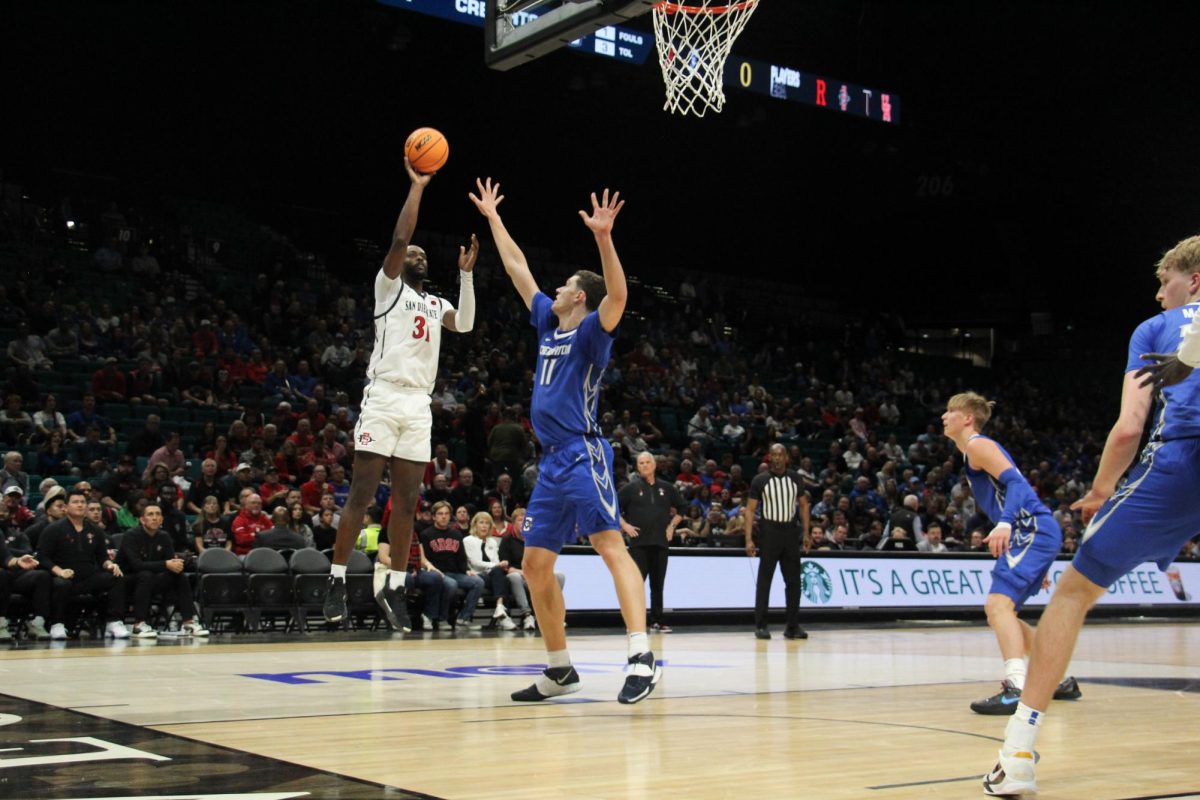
<point>221,587</point>
<point>310,576</point>
<point>268,587</point>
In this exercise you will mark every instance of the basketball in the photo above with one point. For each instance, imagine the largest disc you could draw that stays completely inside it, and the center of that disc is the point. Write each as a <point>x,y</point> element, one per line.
<point>427,150</point>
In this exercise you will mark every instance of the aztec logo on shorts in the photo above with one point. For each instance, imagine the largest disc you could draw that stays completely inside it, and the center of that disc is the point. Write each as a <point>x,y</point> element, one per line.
<point>528,526</point>
<point>365,438</point>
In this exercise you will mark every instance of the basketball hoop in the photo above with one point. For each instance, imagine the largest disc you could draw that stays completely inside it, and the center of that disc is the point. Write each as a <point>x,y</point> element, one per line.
<point>693,42</point>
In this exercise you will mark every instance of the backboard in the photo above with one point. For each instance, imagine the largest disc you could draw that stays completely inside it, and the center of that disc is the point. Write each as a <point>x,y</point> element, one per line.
<point>518,31</point>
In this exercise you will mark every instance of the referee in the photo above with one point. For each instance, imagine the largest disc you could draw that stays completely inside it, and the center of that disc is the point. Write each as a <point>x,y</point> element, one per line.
<point>780,491</point>
<point>649,513</point>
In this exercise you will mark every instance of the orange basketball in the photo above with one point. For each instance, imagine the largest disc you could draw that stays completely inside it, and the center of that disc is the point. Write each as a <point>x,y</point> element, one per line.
<point>427,150</point>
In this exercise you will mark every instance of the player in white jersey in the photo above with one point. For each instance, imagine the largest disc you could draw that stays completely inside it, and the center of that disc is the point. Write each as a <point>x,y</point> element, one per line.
<point>394,425</point>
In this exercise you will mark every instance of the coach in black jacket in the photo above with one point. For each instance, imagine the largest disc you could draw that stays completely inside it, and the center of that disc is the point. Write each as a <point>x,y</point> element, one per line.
<point>75,551</point>
<point>148,555</point>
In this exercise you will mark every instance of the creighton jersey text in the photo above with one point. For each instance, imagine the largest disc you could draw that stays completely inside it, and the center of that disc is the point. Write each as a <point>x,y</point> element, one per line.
<point>566,383</point>
<point>408,334</point>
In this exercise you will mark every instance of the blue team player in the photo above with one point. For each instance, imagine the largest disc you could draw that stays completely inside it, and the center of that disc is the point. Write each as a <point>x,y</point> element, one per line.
<point>1025,540</point>
<point>1145,516</point>
<point>575,493</point>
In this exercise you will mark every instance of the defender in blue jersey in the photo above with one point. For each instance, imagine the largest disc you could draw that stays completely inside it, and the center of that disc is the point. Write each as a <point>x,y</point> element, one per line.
<point>1025,540</point>
<point>1146,516</point>
<point>574,494</point>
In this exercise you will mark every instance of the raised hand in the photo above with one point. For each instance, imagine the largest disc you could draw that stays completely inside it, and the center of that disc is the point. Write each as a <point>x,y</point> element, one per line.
<point>417,178</point>
<point>466,257</point>
<point>604,212</point>
<point>489,198</point>
<point>1166,370</point>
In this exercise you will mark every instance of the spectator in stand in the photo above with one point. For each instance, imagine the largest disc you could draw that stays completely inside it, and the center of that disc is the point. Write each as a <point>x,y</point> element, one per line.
<point>336,359</point>
<point>899,541</point>
<point>839,539</point>
<point>79,421</point>
<point>19,574</point>
<point>272,490</point>
<point>12,474</point>
<point>206,484</point>
<point>977,544</point>
<point>512,553</point>
<point>280,536</point>
<point>462,519</point>
<point>210,528</point>
<point>249,522</point>
<point>108,383</point>
<point>466,493</point>
<point>328,450</point>
<point>508,444</point>
<point>298,523</point>
<point>256,368</point>
<point>204,341</point>
<point>149,556</point>
<point>16,426</point>
<point>311,491</point>
<point>19,516</point>
<point>169,456</point>
<point>303,382</point>
<point>28,350</point>
<point>324,529</point>
<point>240,479</point>
<point>908,518</point>
<point>278,386</point>
<point>76,554</point>
<point>49,419</point>
<point>700,427</point>
<point>440,464</point>
<point>439,490</point>
<point>53,458</point>
<point>62,341</point>
<point>196,390</point>
<point>149,439</point>
<point>483,556</point>
<point>932,543</point>
<point>444,548</point>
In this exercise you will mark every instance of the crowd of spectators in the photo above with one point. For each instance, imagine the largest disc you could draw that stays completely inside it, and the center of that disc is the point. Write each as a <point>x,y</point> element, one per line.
<point>157,374</point>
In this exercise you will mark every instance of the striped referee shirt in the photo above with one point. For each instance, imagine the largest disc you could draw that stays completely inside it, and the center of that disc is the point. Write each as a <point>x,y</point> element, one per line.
<point>777,495</point>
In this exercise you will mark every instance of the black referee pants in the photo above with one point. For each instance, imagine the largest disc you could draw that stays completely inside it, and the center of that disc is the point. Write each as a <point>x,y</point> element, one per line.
<point>652,562</point>
<point>778,544</point>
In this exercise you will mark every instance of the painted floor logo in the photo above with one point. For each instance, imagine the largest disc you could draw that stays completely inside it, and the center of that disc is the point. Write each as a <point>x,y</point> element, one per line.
<point>815,583</point>
<point>449,673</point>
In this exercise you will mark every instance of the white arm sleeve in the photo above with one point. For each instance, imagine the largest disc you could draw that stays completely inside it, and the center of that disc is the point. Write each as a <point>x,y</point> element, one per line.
<point>1189,348</point>
<point>464,317</point>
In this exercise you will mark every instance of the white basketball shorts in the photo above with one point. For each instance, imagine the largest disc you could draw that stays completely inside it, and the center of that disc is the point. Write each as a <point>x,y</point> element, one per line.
<point>395,422</point>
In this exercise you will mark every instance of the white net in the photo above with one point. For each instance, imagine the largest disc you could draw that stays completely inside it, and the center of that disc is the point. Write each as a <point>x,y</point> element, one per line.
<point>693,42</point>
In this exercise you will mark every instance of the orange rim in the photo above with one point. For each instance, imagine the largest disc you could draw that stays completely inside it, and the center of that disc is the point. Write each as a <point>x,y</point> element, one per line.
<point>679,8</point>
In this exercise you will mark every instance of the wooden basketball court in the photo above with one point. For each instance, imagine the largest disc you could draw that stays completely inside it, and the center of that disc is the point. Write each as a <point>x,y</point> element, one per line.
<point>850,713</point>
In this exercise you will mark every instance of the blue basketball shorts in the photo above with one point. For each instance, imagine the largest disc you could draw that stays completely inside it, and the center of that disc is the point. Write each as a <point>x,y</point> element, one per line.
<point>1153,512</point>
<point>1036,539</point>
<point>574,494</point>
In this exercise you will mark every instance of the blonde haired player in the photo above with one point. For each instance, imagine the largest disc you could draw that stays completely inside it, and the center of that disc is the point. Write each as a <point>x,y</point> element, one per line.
<point>1147,516</point>
<point>395,423</point>
<point>1025,540</point>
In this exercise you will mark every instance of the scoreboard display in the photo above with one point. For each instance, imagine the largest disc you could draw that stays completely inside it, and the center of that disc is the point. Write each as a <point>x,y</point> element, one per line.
<point>786,83</point>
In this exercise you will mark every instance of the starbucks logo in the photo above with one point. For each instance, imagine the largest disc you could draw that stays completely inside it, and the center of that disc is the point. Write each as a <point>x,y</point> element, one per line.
<point>815,583</point>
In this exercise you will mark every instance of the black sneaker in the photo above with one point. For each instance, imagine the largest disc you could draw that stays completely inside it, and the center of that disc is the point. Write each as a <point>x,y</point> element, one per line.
<point>553,682</point>
<point>641,679</point>
<point>335,600</point>
<point>762,633</point>
<point>795,633</point>
<point>394,608</point>
<point>1001,704</point>
<point>1068,689</point>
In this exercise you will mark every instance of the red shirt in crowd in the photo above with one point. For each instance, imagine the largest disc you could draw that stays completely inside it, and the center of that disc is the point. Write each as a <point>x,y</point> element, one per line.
<point>245,526</point>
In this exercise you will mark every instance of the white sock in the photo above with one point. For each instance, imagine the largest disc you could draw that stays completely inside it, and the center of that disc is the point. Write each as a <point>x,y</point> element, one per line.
<point>338,571</point>
<point>558,658</point>
<point>396,579</point>
<point>1021,734</point>
<point>638,643</point>
<point>1014,670</point>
